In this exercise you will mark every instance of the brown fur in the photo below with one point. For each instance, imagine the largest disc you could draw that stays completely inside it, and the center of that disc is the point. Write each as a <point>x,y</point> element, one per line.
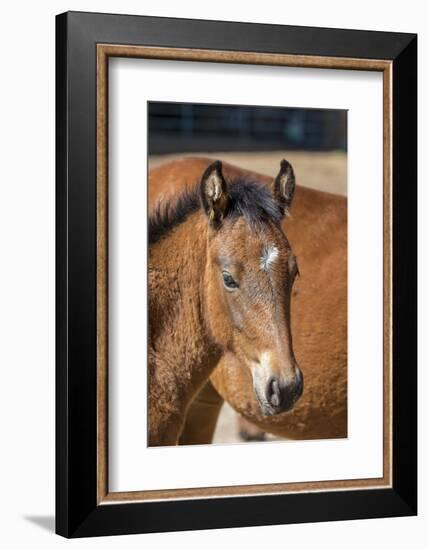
<point>179,360</point>
<point>317,233</point>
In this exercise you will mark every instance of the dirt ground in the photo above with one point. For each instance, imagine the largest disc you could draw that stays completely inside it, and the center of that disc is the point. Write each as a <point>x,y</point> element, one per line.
<point>318,170</point>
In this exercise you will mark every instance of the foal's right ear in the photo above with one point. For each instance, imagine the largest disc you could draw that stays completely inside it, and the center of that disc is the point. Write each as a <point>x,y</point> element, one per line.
<point>214,193</point>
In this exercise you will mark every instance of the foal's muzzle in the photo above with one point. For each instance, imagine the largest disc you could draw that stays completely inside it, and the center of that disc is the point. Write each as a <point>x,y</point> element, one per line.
<point>281,394</point>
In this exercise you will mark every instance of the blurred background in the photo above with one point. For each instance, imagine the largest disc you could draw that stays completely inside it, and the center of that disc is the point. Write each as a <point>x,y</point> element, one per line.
<point>256,138</point>
<point>253,138</point>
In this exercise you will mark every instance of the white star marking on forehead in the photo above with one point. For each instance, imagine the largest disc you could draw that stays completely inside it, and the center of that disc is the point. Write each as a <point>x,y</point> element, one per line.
<point>270,254</point>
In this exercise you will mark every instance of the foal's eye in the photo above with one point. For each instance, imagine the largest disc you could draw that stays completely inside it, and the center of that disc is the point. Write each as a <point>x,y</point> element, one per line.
<point>229,281</point>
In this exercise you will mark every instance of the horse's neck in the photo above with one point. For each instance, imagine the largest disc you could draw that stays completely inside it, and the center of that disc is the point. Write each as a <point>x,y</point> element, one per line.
<point>180,344</point>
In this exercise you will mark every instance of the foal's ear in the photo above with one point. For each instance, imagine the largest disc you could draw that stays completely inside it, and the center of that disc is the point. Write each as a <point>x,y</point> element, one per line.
<point>214,194</point>
<point>284,185</point>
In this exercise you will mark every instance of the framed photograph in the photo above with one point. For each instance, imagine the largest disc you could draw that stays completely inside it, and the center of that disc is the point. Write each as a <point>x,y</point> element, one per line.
<point>236,274</point>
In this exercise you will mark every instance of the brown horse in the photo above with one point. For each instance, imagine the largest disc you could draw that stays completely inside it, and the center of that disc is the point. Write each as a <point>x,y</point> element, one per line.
<point>221,272</point>
<point>317,231</point>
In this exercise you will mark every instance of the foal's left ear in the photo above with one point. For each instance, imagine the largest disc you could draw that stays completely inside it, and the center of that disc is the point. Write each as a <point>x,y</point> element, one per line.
<point>284,185</point>
<point>214,193</point>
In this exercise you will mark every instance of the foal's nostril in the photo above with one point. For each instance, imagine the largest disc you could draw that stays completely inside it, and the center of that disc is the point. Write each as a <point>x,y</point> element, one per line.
<point>273,392</point>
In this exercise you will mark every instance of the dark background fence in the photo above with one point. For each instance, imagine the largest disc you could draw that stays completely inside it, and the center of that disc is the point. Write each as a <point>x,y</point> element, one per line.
<point>191,127</point>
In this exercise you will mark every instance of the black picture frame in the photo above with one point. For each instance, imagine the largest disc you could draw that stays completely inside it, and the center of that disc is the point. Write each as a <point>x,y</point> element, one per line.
<point>77,512</point>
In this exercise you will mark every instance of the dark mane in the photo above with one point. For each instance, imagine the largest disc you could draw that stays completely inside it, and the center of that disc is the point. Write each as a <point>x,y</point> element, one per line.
<point>249,199</point>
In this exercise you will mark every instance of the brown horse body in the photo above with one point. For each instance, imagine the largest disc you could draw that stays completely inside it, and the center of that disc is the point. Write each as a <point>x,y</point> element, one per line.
<point>317,232</point>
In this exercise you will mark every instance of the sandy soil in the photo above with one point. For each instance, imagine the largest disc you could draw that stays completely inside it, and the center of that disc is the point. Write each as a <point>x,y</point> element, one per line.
<point>324,171</point>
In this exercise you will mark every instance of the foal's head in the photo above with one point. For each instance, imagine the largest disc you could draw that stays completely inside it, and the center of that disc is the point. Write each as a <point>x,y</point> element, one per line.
<point>249,275</point>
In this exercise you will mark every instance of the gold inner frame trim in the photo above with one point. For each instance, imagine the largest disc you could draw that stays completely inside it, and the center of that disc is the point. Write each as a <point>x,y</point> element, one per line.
<point>104,51</point>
